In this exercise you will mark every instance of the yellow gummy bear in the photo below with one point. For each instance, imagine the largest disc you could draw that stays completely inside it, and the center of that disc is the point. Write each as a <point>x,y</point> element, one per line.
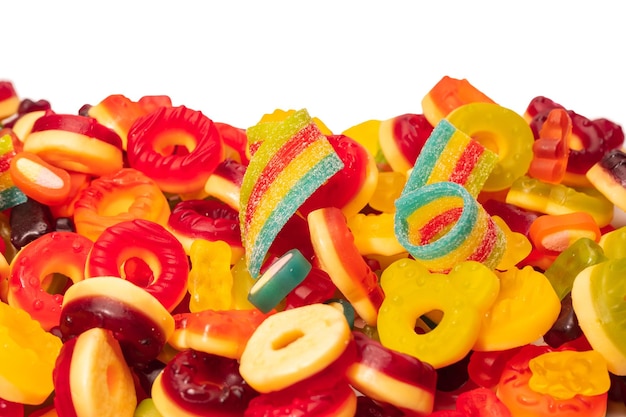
<point>564,374</point>
<point>210,281</point>
<point>412,291</point>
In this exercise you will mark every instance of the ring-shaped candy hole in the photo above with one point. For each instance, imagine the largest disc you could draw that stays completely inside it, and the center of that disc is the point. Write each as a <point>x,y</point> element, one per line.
<point>140,269</point>
<point>161,252</point>
<point>43,270</point>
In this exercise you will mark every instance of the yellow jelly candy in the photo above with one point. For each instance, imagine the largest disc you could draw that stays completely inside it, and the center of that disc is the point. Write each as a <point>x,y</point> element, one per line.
<point>518,246</point>
<point>374,234</point>
<point>411,291</point>
<point>242,284</point>
<point>526,307</point>
<point>567,373</point>
<point>613,243</point>
<point>367,134</point>
<point>28,355</point>
<point>501,130</point>
<point>388,189</point>
<point>210,281</point>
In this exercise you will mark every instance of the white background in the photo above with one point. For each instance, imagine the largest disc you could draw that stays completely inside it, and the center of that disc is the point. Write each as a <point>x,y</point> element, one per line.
<point>345,61</point>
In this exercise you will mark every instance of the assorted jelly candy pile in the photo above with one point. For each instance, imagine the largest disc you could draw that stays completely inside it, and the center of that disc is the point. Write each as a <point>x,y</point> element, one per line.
<point>463,260</point>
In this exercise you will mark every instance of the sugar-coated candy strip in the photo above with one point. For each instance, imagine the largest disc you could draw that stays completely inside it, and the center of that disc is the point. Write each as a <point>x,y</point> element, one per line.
<point>292,161</point>
<point>451,155</point>
<point>334,247</point>
<point>501,130</point>
<point>28,354</point>
<point>56,252</point>
<point>598,299</point>
<point>10,194</point>
<point>463,295</point>
<point>292,345</point>
<point>441,225</point>
<point>280,278</point>
<point>536,195</point>
<point>83,375</point>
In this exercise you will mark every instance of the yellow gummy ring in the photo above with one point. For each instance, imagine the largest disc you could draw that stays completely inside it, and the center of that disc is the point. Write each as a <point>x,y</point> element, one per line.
<point>504,132</point>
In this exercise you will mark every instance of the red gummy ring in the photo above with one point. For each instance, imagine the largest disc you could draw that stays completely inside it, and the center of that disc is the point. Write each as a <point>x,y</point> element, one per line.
<point>177,147</point>
<point>32,271</point>
<point>142,241</point>
<point>123,196</point>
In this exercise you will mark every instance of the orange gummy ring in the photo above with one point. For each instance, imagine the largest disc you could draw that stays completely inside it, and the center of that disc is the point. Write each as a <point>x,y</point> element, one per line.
<point>125,195</point>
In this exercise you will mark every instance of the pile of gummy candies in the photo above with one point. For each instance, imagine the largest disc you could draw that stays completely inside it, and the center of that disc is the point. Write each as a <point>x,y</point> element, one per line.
<point>460,261</point>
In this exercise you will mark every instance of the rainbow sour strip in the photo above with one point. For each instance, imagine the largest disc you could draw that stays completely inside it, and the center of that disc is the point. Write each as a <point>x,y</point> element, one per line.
<point>441,225</point>
<point>292,161</point>
<point>10,195</point>
<point>451,155</point>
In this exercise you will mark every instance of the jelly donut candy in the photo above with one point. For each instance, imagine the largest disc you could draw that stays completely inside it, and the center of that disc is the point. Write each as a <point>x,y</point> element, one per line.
<point>451,155</point>
<point>198,384</point>
<point>608,176</point>
<point>402,138</point>
<point>207,219</point>
<point>91,377</point>
<point>177,147</point>
<point>122,196</point>
<point>223,333</point>
<point>75,143</point>
<point>31,281</point>
<point>151,243</point>
<point>334,247</point>
<point>463,295</point>
<point>28,354</point>
<point>504,132</point>
<point>138,320</point>
<point>598,300</point>
<point>9,100</point>
<point>536,195</point>
<point>441,225</point>
<point>10,194</point>
<point>448,94</point>
<point>392,377</point>
<point>515,391</point>
<point>292,345</point>
<point>292,161</point>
